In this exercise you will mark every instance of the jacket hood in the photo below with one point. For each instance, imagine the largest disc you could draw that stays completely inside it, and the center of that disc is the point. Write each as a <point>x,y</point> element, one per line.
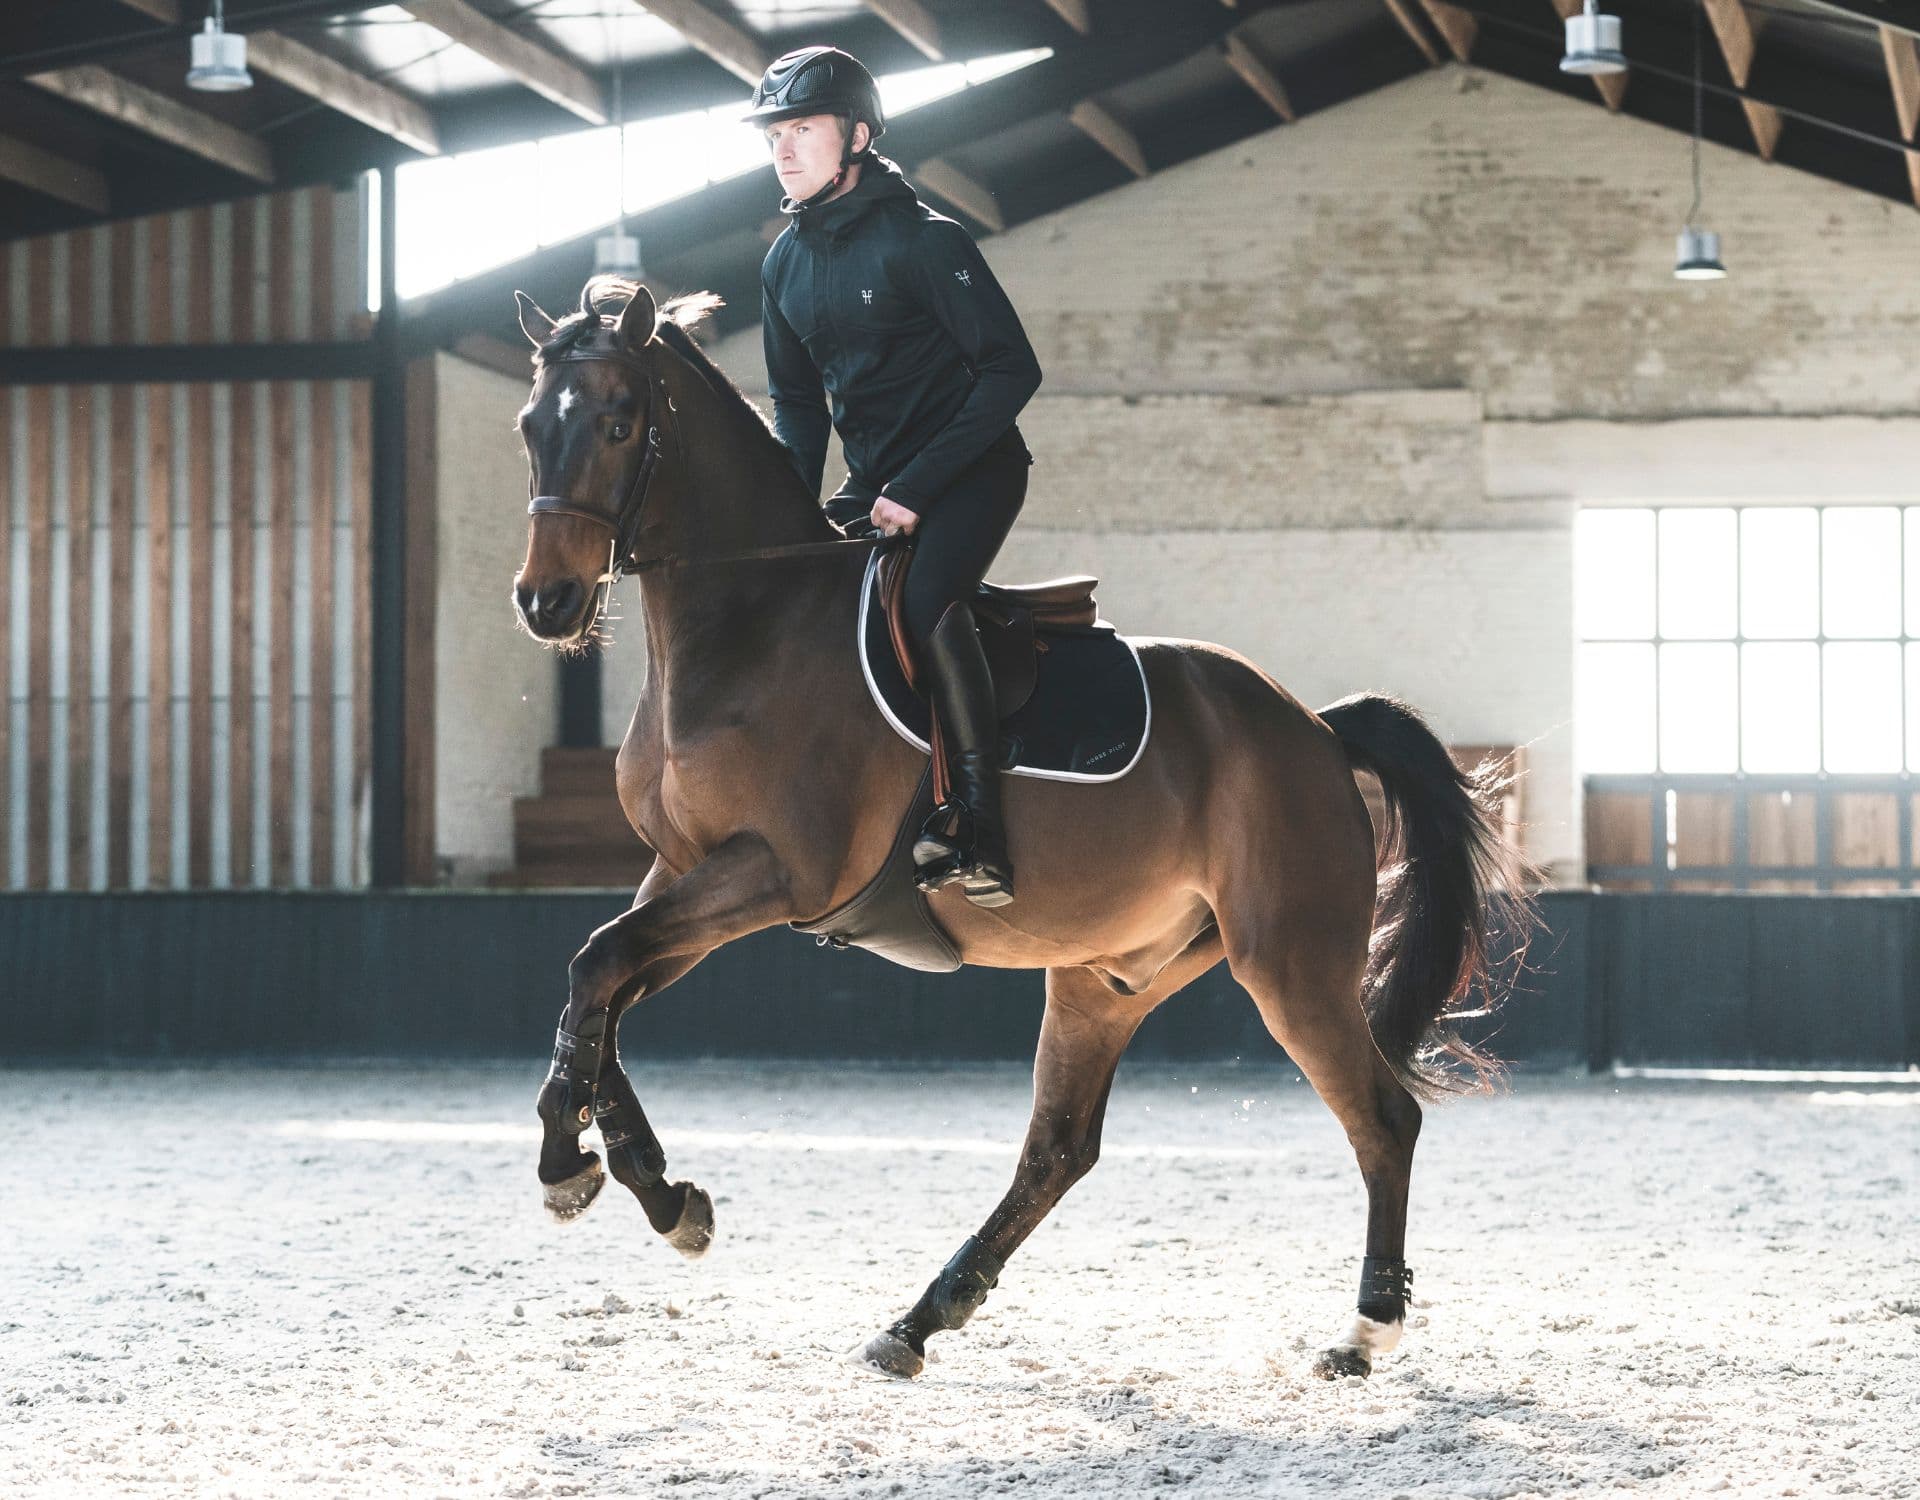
<point>880,181</point>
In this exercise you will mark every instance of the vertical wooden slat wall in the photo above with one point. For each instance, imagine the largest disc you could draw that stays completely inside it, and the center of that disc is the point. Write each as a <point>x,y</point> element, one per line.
<point>39,704</point>
<point>322,749</point>
<point>158,460</point>
<point>123,463</point>
<point>217,695</point>
<point>7,818</point>
<point>200,559</point>
<point>79,622</point>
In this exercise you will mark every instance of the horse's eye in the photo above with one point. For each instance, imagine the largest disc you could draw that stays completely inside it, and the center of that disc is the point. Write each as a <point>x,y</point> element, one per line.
<point>621,432</point>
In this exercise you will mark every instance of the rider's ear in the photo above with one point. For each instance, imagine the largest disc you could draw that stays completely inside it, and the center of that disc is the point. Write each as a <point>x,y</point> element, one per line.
<point>638,320</point>
<point>534,323</point>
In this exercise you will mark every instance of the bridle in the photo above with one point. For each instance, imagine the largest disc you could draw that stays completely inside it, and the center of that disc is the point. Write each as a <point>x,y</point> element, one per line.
<point>625,522</point>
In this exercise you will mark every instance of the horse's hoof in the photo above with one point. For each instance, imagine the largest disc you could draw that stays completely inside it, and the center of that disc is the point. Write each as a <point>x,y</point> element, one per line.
<point>566,1201</point>
<point>692,1236</point>
<point>886,1354</point>
<point>1343,1359</point>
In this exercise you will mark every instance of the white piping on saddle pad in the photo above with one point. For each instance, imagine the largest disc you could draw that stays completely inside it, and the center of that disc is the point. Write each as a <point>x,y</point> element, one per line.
<point>880,701</point>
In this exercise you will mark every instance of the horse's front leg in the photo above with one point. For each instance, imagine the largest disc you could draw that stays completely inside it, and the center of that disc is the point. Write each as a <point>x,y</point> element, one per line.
<point>740,888</point>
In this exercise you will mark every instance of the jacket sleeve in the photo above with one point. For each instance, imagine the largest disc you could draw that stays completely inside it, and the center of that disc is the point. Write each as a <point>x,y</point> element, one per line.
<point>800,418</point>
<point>952,280</point>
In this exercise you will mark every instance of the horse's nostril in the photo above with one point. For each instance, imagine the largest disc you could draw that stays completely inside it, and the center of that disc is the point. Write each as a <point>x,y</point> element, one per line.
<point>563,599</point>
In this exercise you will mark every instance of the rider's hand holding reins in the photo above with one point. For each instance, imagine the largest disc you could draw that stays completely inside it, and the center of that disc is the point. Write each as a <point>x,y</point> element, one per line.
<point>890,517</point>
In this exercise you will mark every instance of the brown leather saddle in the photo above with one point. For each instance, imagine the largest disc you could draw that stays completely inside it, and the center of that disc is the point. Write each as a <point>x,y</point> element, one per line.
<point>1009,617</point>
<point>1064,684</point>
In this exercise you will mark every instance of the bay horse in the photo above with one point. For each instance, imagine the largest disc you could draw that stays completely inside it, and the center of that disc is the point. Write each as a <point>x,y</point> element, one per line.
<point>758,769</point>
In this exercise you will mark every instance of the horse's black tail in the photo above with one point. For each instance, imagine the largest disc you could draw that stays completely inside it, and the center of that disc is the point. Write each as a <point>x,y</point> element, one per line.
<point>1449,882</point>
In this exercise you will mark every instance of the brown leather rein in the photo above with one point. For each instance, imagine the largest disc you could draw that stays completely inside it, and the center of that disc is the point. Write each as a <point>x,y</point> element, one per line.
<point>625,522</point>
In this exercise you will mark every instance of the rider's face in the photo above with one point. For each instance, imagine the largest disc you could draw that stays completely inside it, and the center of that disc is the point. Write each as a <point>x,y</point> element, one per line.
<point>806,151</point>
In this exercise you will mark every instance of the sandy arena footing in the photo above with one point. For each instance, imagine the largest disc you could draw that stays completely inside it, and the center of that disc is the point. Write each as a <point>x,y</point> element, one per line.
<point>244,1281</point>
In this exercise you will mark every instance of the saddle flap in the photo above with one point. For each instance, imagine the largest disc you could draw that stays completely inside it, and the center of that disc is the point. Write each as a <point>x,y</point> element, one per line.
<point>1084,716</point>
<point>1006,638</point>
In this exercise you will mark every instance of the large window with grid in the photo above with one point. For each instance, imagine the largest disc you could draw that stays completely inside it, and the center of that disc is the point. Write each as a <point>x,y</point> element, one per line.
<point>1756,652</point>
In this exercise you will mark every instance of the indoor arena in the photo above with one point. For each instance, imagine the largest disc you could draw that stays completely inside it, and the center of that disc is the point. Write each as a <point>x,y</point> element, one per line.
<point>589,906</point>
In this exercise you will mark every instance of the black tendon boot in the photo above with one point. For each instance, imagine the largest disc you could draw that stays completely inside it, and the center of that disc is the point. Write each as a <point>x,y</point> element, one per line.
<point>975,851</point>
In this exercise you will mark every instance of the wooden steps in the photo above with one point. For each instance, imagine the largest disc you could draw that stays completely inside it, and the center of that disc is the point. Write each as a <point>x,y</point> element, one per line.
<point>574,833</point>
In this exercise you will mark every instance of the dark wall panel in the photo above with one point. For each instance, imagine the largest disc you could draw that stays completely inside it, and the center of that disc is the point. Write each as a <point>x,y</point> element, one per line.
<point>1727,980</point>
<point>1734,980</point>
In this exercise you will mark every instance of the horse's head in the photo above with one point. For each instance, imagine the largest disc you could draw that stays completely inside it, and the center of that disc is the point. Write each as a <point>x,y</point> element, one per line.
<point>593,429</point>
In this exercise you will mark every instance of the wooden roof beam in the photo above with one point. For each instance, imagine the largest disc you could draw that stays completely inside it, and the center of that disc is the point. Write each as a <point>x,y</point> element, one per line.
<point>963,192</point>
<point>1256,75</point>
<point>1903,73</point>
<point>1612,86</point>
<point>1403,13</point>
<point>340,88</point>
<point>709,32</point>
<point>1897,15</point>
<point>162,118</point>
<point>547,73</point>
<point>28,166</point>
<point>1105,128</point>
<point>1457,27</point>
<point>160,10</point>
<point>1074,13</point>
<point>1734,30</point>
<point>914,22</point>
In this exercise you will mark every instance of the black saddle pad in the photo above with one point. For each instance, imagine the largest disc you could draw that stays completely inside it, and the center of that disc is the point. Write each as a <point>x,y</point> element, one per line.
<point>1088,716</point>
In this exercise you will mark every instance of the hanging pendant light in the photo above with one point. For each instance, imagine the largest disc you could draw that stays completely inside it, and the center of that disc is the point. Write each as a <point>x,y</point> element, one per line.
<point>219,57</point>
<point>1697,253</point>
<point>618,253</point>
<point>1593,43</point>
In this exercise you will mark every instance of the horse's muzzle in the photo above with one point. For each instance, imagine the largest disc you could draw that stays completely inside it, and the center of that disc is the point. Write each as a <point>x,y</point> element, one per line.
<point>552,613</point>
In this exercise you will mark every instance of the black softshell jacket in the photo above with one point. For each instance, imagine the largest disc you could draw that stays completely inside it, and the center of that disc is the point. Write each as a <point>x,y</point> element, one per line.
<point>887,307</point>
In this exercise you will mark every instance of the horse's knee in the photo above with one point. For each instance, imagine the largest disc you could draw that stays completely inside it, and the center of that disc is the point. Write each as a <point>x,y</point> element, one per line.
<point>589,969</point>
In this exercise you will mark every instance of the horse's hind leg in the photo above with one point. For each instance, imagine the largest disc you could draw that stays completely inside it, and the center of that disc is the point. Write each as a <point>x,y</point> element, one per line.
<point>1086,1027</point>
<point>1306,982</point>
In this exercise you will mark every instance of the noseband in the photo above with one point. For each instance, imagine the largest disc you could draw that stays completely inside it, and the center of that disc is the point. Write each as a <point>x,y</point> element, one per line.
<point>624,522</point>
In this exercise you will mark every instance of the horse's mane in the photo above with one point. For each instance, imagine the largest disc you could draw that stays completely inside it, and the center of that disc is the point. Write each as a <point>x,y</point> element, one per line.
<point>677,316</point>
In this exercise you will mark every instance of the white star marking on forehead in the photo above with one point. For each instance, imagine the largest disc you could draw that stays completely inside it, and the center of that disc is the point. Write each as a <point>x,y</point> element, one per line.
<point>568,395</point>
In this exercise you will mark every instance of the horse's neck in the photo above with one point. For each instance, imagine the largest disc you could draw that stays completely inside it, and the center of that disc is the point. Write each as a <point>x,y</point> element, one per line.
<point>734,642</point>
<point>733,491</point>
<point>733,486</point>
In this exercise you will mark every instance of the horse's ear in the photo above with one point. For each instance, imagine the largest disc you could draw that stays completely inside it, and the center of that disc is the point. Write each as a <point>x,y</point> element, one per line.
<point>534,323</point>
<point>638,319</point>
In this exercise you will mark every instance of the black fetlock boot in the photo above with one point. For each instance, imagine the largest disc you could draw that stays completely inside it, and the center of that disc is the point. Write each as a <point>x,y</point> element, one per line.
<point>961,686</point>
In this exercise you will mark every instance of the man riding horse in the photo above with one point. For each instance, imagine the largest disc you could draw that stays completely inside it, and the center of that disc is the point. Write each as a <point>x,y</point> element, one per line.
<point>759,769</point>
<point>884,305</point>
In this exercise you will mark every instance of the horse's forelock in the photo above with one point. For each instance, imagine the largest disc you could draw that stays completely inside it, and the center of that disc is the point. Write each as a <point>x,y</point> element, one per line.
<point>688,310</point>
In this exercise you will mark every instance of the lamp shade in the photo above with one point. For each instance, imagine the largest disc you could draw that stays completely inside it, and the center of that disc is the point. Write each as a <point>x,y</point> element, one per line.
<point>1593,44</point>
<point>1697,256</point>
<point>219,61</point>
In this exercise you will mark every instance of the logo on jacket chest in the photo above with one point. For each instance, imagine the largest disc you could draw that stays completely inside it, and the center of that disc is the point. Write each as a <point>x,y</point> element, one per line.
<point>866,296</point>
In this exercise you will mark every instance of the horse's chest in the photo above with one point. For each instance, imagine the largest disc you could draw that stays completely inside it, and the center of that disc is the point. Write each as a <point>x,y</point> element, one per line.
<point>686,793</point>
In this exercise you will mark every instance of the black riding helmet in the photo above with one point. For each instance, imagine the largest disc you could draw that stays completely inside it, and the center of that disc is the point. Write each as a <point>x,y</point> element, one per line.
<point>821,81</point>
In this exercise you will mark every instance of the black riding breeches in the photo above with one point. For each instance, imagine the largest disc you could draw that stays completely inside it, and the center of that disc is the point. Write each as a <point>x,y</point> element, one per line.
<point>958,536</point>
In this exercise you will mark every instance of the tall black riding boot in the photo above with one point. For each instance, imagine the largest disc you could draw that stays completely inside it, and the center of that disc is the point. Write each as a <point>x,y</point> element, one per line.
<point>961,686</point>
